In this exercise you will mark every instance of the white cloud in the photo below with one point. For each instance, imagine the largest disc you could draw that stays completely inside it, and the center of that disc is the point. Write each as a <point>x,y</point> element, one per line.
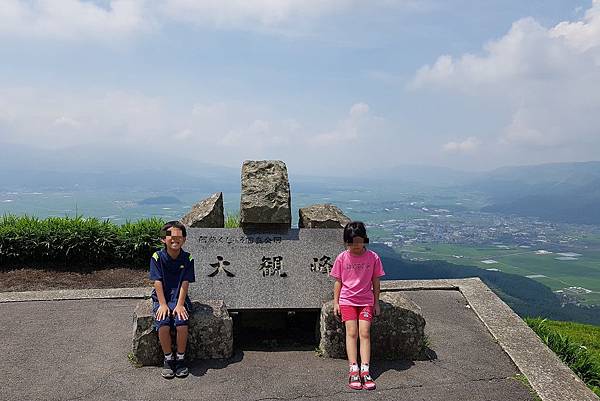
<point>548,77</point>
<point>349,129</point>
<point>468,145</point>
<point>217,132</point>
<point>73,19</point>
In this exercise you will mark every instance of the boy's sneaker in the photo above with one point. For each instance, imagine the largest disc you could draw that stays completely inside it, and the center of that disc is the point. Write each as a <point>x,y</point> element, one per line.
<point>354,381</point>
<point>181,369</point>
<point>367,381</point>
<point>167,370</point>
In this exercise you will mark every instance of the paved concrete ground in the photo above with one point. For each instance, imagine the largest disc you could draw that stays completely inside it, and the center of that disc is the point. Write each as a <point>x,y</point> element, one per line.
<point>70,350</point>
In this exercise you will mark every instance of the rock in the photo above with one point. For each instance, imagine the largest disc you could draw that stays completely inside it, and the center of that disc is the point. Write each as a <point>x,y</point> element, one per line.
<point>210,333</point>
<point>265,199</point>
<point>397,334</point>
<point>322,216</point>
<point>207,213</point>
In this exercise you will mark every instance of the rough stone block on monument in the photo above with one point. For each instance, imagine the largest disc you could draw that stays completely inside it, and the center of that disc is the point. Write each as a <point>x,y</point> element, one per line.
<point>398,333</point>
<point>210,333</point>
<point>265,198</point>
<point>206,213</point>
<point>322,216</point>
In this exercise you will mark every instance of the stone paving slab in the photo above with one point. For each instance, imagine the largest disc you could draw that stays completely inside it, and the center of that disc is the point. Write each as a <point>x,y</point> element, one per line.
<point>548,376</point>
<point>76,349</point>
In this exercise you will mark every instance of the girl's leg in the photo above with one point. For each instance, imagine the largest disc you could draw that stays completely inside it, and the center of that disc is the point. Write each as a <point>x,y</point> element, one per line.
<point>364,331</point>
<point>351,337</point>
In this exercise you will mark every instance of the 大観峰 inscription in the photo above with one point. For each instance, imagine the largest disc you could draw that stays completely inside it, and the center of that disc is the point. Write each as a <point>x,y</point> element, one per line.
<point>264,270</point>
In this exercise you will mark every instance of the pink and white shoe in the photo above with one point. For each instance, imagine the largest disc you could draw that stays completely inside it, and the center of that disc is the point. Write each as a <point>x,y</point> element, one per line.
<point>354,381</point>
<point>367,381</point>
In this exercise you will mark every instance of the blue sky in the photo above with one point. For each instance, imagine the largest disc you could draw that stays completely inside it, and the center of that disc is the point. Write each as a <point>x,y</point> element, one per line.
<point>323,85</point>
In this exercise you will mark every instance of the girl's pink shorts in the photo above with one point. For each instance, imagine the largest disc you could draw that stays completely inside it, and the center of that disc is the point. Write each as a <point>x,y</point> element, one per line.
<point>350,312</point>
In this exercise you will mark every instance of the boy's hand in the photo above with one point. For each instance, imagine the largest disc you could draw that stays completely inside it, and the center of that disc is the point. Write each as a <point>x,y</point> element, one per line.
<point>162,312</point>
<point>180,312</point>
<point>376,309</point>
<point>336,309</point>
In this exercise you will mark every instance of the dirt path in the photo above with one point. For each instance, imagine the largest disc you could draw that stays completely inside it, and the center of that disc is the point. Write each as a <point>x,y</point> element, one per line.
<point>31,279</point>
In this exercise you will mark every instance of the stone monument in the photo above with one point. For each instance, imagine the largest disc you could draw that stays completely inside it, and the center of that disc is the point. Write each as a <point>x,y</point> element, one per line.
<point>267,266</point>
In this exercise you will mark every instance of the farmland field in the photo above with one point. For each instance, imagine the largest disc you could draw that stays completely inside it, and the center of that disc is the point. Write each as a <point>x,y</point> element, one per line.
<point>583,271</point>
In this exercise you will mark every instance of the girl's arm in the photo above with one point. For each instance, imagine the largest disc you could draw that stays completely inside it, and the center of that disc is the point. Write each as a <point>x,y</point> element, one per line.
<point>376,291</point>
<point>337,288</point>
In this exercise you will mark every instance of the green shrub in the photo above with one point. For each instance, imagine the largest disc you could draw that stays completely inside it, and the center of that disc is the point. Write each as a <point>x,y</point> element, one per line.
<point>572,353</point>
<point>76,241</point>
<point>232,220</point>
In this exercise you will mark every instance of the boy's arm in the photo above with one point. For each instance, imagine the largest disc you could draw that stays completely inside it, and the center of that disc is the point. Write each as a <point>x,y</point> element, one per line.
<point>337,287</point>
<point>180,308</point>
<point>376,291</point>
<point>163,309</point>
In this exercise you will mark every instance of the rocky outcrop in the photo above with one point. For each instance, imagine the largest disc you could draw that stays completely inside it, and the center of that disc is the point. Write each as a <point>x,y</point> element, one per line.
<point>210,333</point>
<point>265,198</point>
<point>322,216</point>
<point>207,213</point>
<point>398,333</point>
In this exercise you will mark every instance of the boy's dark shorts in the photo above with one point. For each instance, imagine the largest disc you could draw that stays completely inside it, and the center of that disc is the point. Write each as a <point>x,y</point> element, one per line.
<point>173,321</point>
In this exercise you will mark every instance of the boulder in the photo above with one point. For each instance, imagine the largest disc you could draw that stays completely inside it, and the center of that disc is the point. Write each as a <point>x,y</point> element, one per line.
<point>322,216</point>
<point>210,333</point>
<point>265,198</point>
<point>398,333</point>
<point>207,213</point>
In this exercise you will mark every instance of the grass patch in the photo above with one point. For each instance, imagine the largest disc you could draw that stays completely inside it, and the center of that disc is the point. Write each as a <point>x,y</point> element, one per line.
<point>523,380</point>
<point>77,241</point>
<point>581,358</point>
<point>232,220</point>
<point>133,360</point>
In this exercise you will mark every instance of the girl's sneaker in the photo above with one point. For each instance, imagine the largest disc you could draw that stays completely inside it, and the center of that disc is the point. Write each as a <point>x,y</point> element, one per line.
<point>367,381</point>
<point>354,381</point>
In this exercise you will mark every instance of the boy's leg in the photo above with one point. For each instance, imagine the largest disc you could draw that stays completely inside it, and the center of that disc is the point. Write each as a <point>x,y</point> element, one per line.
<point>182,336</point>
<point>164,336</point>
<point>181,369</point>
<point>163,327</point>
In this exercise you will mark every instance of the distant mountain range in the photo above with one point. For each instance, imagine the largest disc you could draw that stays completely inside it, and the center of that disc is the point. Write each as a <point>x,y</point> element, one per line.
<point>563,192</point>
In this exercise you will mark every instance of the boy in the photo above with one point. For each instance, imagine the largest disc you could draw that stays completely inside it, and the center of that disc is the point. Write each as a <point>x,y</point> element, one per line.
<point>357,272</point>
<point>172,270</point>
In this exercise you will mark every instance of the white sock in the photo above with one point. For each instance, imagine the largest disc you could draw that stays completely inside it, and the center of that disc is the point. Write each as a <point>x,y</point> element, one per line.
<point>364,367</point>
<point>180,356</point>
<point>354,367</point>
<point>169,356</point>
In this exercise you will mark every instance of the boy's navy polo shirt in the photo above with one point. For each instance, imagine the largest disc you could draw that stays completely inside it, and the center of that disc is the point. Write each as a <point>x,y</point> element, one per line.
<point>172,272</point>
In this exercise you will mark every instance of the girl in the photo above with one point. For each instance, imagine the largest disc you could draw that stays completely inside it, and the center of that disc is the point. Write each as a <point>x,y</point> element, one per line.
<point>356,298</point>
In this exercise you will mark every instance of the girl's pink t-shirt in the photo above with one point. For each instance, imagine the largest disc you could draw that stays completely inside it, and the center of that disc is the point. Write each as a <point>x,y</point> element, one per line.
<point>356,274</point>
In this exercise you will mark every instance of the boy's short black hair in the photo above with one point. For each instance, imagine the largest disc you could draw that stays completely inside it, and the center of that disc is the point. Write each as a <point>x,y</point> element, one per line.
<point>355,229</point>
<point>177,224</point>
